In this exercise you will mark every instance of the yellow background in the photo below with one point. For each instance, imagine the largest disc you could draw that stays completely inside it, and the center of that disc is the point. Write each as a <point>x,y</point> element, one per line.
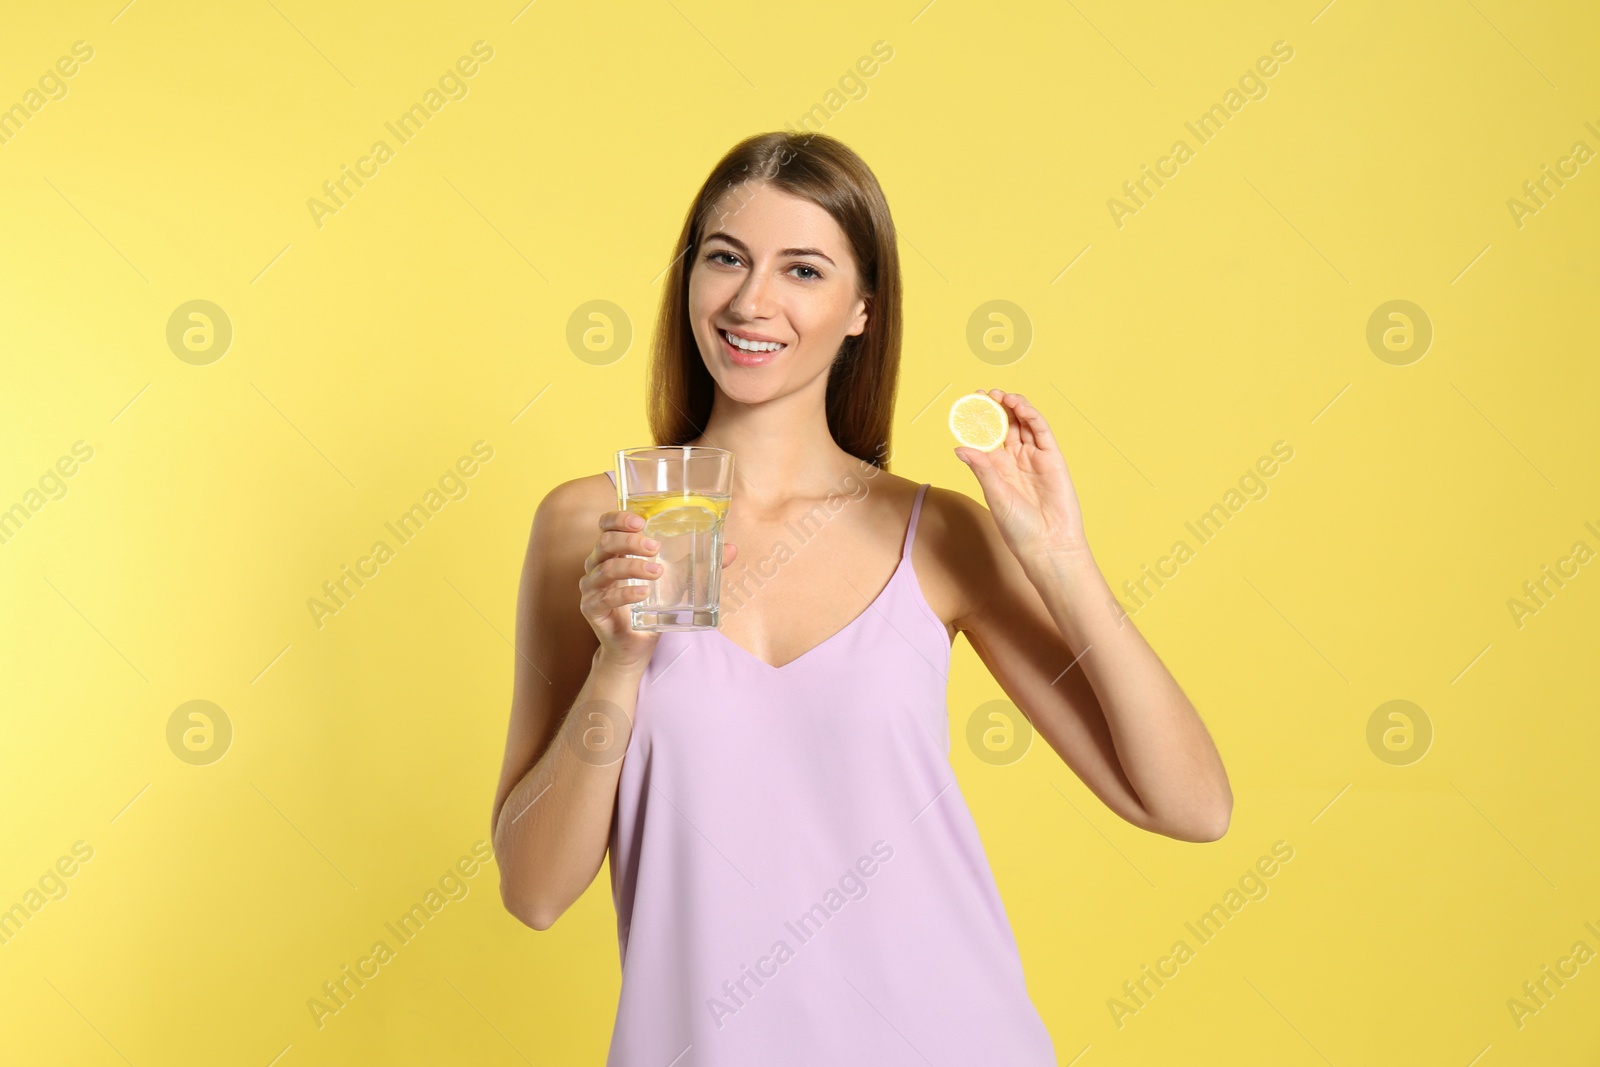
<point>368,354</point>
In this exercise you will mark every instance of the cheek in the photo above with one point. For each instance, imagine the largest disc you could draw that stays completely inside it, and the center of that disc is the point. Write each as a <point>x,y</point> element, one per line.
<point>704,294</point>
<point>820,317</point>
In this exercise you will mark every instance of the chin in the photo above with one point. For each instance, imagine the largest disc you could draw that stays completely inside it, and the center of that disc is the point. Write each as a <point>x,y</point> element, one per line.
<point>746,390</point>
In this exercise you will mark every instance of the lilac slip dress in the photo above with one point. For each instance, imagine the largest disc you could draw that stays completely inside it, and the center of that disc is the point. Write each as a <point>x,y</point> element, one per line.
<point>797,877</point>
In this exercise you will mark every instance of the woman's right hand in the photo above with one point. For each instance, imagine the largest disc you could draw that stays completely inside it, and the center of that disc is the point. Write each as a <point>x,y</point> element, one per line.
<point>603,598</point>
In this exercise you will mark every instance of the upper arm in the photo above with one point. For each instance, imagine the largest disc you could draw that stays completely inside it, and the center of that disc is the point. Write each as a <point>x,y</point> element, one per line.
<point>1009,626</point>
<point>553,644</point>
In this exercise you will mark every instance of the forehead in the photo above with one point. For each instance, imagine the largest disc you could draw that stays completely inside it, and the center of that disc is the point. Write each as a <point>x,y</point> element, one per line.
<point>767,218</point>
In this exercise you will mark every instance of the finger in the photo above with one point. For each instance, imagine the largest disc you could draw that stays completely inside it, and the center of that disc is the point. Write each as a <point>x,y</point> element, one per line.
<point>621,543</point>
<point>621,520</point>
<point>1030,420</point>
<point>1013,430</point>
<point>1035,422</point>
<point>614,543</point>
<point>594,606</point>
<point>619,567</point>
<point>612,570</point>
<point>1013,418</point>
<point>1013,404</point>
<point>599,605</point>
<point>976,460</point>
<point>729,551</point>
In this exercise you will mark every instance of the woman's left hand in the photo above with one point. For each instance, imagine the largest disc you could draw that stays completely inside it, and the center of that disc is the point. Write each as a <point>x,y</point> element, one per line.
<point>1026,484</point>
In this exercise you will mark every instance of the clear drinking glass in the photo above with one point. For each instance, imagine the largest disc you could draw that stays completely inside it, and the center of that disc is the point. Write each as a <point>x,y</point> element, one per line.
<point>682,492</point>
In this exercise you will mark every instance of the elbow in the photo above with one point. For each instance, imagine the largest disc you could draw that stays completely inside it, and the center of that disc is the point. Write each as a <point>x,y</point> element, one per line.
<point>1218,826</point>
<point>513,887</point>
<point>535,917</point>
<point>529,913</point>
<point>1204,824</point>
<point>538,920</point>
<point>1215,825</point>
<point>1213,812</point>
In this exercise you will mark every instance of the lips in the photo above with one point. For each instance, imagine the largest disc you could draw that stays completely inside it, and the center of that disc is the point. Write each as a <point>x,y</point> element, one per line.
<point>742,358</point>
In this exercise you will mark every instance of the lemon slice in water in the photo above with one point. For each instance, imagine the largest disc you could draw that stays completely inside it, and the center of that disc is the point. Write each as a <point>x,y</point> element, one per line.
<point>674,522</point>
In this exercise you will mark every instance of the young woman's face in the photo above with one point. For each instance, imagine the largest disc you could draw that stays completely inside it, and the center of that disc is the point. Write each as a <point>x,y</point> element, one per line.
<point>773,269</point>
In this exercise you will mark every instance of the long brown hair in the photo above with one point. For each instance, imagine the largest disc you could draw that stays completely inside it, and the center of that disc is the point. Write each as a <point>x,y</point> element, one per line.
<point>862,382</point>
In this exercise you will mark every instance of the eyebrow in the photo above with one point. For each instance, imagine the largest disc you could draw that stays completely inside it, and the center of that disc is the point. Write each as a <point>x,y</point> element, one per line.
<point>741,246</point>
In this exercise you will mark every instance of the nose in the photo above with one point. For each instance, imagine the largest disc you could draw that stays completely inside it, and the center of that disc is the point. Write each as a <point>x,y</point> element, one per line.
<point>752,301</point>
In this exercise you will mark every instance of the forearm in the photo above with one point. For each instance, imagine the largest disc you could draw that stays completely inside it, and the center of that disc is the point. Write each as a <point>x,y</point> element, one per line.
<point>1163,746</point>
<point>551,833</point>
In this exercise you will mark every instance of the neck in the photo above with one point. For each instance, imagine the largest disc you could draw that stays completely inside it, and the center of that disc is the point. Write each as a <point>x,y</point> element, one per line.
<point>782,448</point>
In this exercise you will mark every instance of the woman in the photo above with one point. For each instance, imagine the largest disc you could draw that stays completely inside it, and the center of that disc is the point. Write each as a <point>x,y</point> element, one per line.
<point>797,877</point>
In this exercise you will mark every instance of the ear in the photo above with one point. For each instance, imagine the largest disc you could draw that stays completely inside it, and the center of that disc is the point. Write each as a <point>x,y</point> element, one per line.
<point>858,324</point>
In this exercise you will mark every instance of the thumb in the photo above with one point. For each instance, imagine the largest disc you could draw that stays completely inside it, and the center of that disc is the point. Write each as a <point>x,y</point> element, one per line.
<point>982,466</point>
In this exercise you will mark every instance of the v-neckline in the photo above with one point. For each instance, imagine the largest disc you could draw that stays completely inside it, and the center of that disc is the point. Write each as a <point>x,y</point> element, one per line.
<point>814,649</point>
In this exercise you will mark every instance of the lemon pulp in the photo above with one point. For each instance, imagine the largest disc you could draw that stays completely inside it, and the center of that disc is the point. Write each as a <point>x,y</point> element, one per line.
<point>978,421</point>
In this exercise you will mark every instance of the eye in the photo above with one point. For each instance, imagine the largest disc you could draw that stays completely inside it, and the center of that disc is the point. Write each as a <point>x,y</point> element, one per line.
<point>722,257</point>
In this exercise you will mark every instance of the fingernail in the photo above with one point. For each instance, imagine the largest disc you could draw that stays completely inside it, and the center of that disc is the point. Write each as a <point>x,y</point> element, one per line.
<point>651,543</point>
<point>652,567</point>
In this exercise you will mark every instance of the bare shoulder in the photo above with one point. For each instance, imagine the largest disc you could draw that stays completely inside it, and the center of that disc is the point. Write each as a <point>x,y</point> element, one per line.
<point>954,553</point>
<point>570,512</point>
<point>565,528</point>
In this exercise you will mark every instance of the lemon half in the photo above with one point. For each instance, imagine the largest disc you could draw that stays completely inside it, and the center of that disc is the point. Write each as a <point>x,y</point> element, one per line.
<point>978,421</point>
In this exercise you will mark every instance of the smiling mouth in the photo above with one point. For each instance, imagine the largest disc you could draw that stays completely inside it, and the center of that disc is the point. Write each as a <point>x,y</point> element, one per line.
<point>757,354</point>
<point>756,350</point>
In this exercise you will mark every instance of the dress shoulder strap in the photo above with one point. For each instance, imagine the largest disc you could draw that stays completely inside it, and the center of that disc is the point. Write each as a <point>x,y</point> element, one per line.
<point>613,476</point>
<point>911,527</point>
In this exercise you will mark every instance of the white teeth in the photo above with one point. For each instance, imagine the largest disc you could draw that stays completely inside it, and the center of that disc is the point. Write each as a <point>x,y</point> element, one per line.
<point>751,346</point>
